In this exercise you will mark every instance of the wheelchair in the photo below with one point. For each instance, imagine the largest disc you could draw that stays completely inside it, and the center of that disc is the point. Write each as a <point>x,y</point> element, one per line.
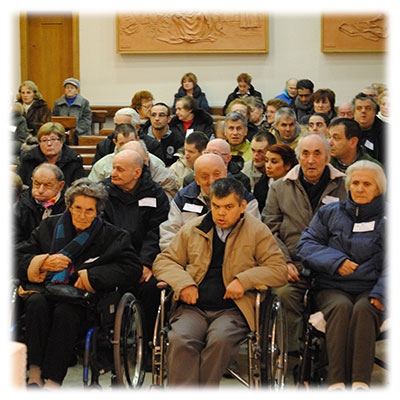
<point>116,344</point>
<point>113,343</point>
<point>266,346</point>
<point>312,370</point>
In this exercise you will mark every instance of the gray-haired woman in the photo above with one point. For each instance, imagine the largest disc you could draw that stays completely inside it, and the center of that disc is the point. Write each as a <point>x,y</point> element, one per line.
<point>344,247</point>
<point>75,248</point>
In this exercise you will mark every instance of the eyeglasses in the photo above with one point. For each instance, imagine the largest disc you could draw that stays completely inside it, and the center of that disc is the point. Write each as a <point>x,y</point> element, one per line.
<point>52,140</point>
<point>76,210</point>
<point>147,106</point>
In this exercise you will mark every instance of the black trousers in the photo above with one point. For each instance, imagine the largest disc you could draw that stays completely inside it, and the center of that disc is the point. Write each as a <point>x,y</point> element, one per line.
<point>52,330</point>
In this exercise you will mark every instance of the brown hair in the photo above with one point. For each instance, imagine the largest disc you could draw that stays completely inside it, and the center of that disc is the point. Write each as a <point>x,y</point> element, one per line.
<point>244,77</point>
<point>138,97</point>
<point>286,152</point>
<point>189,76</point>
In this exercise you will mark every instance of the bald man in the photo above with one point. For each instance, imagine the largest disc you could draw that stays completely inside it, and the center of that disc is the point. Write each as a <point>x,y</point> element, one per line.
<point>159,173</point>
<point>139,205</point>
<point>192,200</point>
<point>233,163</point>
<point>345,110</point>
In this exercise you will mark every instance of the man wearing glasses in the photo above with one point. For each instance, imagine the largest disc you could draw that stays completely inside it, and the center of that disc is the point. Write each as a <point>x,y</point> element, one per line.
<point>158,128</point>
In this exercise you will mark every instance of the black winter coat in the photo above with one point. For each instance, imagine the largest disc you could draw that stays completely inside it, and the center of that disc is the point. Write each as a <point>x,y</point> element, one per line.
<point>140,213</point>
<point>113,261</point>
<point>28,215</point>
<point>234,95</point>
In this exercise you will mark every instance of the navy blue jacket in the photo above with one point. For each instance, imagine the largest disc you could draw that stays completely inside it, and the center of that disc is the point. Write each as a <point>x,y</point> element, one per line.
<point>347,230</point>
<point>198,95</point>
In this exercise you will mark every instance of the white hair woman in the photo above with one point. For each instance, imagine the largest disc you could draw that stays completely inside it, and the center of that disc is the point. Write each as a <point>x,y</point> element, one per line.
<point>344,247</point>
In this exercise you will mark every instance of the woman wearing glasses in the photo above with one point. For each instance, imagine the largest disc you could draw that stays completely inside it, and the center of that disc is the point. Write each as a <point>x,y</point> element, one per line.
<point>76,248</point>
<point>52,149</point>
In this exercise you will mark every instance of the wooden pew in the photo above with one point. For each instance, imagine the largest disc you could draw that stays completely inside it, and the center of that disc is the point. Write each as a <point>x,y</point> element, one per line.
<point>98,117</point>
<point>69,124</point>
<point>90,140</point>
<point>106,131</point>
<point>87,149</point>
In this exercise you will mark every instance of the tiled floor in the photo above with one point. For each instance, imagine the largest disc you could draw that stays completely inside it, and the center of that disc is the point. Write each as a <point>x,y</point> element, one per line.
<point>380,377</point>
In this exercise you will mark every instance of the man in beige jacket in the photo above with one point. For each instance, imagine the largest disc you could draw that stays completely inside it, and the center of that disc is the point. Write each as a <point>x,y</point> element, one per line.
<point>213,264</point>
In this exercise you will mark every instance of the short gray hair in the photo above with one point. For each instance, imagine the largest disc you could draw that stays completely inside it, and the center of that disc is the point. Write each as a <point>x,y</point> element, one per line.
<point>284,112</point>
<point>88,188</point>
<point>316,135</point>
<point>131,112</point>
<point>235,116</point>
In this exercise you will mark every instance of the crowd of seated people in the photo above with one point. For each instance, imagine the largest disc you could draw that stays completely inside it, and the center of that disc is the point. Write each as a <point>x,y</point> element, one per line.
<point>290,152</point>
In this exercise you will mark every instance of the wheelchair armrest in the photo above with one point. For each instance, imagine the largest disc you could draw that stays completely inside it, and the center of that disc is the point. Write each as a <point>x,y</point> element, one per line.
<point>262,288</point>
<point>162,285</point>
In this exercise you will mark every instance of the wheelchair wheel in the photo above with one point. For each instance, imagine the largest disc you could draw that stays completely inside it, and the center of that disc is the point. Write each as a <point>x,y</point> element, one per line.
<point>313,366</point>
<point>273,342</point>
<point>129,343</point>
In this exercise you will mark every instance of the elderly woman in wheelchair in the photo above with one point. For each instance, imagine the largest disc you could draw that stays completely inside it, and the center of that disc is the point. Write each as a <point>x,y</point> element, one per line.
<point>344,248</point>
<point>72,256</point>
<point>213,265</point>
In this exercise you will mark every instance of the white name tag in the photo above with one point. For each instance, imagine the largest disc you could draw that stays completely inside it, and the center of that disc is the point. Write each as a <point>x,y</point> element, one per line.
<point>193,208</point>
<point>364,226</point>
<point>148,202</point>
<point>89,260</point>
<point>369,145</point>
<point>330,199</point>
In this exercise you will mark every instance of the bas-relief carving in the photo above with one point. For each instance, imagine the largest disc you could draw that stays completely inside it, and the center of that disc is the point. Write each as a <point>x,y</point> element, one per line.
<point>192,32</point>
<point>354,33</point>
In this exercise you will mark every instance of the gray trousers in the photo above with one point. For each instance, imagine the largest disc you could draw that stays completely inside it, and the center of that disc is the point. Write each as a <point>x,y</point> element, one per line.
<point>202,344</point>
<point>352,326</point>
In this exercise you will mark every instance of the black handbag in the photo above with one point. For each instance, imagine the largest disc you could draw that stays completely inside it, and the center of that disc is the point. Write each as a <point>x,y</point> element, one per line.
<point>62,293</point>
<point>69,294</point>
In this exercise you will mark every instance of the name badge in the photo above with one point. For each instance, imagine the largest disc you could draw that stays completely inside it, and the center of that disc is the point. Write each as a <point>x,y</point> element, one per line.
<point>148,202</point>
<point>369,145</point>
<point>89,260</point>
<point>364,226</point>
<point>330,199</point>
<point>193,208</point>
